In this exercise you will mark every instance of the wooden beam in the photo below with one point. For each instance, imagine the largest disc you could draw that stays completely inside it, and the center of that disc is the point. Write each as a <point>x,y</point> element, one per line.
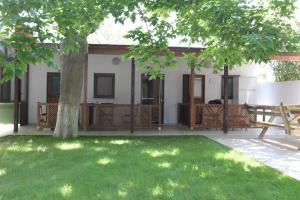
<point>159,104</point>
<point>248,106</point>
<point>225,114</point>
<point>24,105</point>
<point>286,57</point>
<point>85,88</point>
<point>225,106</point>
<point>108,49</point>
<point>132,96</point>
<point>1,85</point>
<point>16,105</point>
<point>266,127</point>
<point>265,113</point>
<point>285,119</point>
<point>192,99</point>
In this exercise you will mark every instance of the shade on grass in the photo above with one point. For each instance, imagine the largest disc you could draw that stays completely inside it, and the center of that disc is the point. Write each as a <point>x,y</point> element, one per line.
<point>6,113</point>
<point>134,168</point>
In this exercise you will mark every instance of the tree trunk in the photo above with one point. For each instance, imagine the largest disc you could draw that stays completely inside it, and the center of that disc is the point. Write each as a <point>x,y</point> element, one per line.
<point>72,66</point>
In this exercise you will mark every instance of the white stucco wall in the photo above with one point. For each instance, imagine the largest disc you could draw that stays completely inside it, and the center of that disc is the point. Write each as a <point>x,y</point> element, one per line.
<point>173,84</point>
<point>37,88</point>
<point>271,93</point>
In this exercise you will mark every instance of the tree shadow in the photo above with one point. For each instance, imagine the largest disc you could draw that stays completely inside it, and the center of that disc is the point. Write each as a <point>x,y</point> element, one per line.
<point>134,168</point>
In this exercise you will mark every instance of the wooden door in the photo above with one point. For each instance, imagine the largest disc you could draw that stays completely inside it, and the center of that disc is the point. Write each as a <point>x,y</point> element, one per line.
<point>199,94</point>
<point>53,87</point>
<point>153,94</point>
<point>199,89</point>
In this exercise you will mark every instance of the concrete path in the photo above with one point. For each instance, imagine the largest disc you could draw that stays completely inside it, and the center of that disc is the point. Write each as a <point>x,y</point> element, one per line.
<point>276,155</point>
<point>6,129</point>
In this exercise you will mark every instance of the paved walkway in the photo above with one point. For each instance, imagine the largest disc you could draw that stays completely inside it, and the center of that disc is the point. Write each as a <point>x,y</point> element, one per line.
<point>277,150</point>
<point>6,129</point>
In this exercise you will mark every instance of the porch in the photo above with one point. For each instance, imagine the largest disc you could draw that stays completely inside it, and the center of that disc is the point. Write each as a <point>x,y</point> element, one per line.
<point>118,96</point>
<point>103,116</point>
<point>118,116</point>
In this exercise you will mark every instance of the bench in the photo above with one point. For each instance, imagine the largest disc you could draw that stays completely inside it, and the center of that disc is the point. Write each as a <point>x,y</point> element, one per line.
<point>290,115</point>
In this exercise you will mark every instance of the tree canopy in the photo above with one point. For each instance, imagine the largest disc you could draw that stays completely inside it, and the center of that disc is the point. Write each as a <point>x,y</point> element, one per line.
<point>286,70</point>
<point>233,31</point>
<point>30,24</point>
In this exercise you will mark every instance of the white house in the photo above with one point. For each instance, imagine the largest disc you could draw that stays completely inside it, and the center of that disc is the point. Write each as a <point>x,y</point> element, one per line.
<point>109,84</point>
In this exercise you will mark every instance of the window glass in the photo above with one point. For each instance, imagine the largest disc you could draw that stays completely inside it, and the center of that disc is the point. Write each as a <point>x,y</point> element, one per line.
<point>198,87</point>
<point>104,86</point>
<point>55,86</point>
<point>230,87</point>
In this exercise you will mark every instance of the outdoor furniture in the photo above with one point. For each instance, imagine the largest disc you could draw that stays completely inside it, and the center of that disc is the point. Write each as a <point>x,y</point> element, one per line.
<point>290,115</point>
<point>46,115</point>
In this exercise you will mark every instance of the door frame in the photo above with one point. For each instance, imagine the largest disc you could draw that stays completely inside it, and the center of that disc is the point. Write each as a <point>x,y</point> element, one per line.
<point>49,76</point>
<point>203,86</point>
<point>163,96</point>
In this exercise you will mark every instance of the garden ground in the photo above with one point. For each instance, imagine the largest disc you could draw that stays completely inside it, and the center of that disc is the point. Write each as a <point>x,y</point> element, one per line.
<point>191,167</point>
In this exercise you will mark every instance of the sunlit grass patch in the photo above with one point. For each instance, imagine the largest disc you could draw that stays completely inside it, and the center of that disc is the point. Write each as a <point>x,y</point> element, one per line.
<point>68,145</point>
<point>2,172</point>
<point>105,161</point>
<point>239,158</point>
<point>162,152</point>
<point>100,149</point>
<point>65,190</point>
<point>122,192</point>
<point>26,148</point>
<point>120,142</point>
<point>164,164</point>
<point>157,191</point>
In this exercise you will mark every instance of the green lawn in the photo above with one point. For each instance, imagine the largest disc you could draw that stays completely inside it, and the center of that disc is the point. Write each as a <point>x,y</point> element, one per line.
<point>6,113</point>
<point>134,168</point>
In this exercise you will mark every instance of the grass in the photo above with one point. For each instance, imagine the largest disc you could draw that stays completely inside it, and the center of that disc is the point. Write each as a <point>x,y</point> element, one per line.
<point>6,113</point>
<point>113,168</point>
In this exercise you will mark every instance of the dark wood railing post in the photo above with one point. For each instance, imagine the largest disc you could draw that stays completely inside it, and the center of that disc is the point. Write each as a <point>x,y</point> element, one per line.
<point>16,105</point>
<point>38,116</point>
<point>85,122</point>
<point>132,86</point>
<point>225,114</point>
<point>27,94</point>
<point>159,104</point>
<point>192,99</point>
<point>1,86</point>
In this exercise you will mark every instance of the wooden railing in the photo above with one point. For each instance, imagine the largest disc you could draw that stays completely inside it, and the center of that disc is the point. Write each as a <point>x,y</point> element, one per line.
<point>117,116</point>
<point>100,116</point>
<point>183,114</point>
<point>210,116</point>
<point>46,115</point>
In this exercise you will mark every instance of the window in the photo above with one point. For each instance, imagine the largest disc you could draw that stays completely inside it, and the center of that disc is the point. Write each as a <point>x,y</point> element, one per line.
<point>230,87</point>
<point>104,85</point>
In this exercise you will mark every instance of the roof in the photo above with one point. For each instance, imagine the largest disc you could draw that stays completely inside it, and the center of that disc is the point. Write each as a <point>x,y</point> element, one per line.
<point>286,57</point>
<point>111,49</point>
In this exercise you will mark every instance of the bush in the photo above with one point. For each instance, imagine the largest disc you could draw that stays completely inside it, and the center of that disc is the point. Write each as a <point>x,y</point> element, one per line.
<point>286,71</point>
